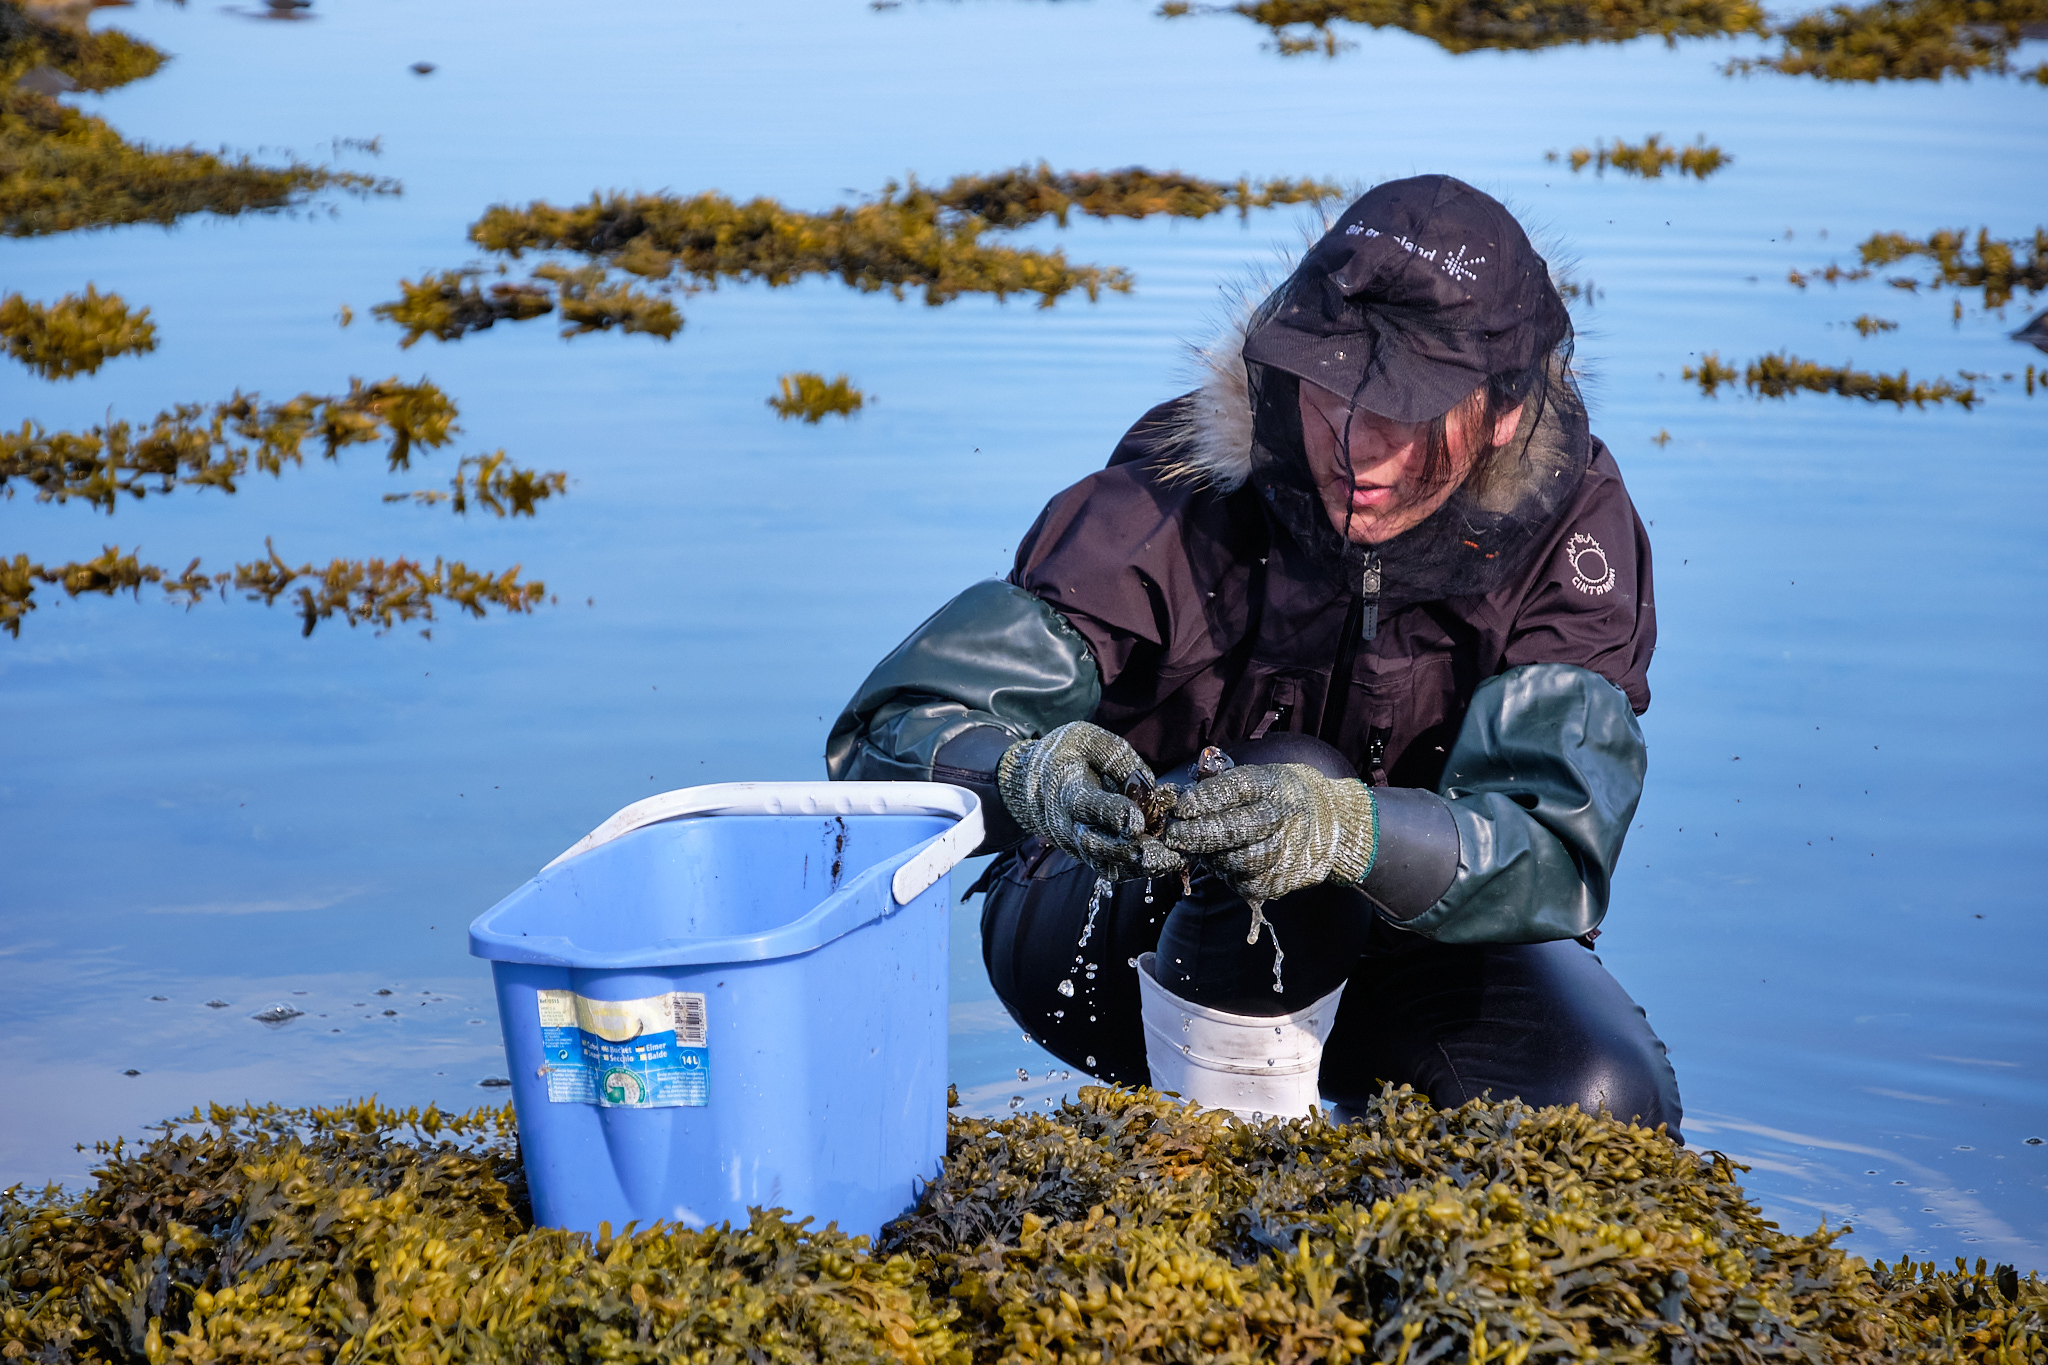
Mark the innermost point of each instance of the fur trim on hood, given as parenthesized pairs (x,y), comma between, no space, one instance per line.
(1210,433)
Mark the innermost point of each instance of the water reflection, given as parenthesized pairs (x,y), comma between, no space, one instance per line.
(1846,1191)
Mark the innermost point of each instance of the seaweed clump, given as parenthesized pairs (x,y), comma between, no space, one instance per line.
(909,237)
(62,170)
(1904,40)
(1011,199)
(449,304)
(202,447)
(195,446)
(381,592)
(1999,268)
(1784,374)
(364,1234)
(813,398)
(1884,40)
(1125,1227)
(1303,26)
(1648,159)
(75,335)
(92,61)
(494,484)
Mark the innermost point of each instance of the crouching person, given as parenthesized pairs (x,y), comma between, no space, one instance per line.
(1380,571)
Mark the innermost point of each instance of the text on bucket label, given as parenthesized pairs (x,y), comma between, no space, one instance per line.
(625,1054)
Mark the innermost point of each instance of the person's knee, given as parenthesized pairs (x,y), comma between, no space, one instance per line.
(1626,1077)
(1288,747)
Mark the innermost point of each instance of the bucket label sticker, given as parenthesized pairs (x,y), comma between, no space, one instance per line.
(626,1054)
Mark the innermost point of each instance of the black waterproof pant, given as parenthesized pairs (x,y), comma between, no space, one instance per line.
(1543,1022)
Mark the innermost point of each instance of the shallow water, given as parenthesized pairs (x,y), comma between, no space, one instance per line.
(1830,908)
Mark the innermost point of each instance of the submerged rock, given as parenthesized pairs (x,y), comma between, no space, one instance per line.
(2035,333)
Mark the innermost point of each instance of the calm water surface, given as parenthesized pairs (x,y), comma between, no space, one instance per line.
(1831,906)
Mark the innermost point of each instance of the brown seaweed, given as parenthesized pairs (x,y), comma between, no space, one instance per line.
(62,170)
(1648,159)
(449,304)
(2000,268)
(200,447)
(75,335)
(909,237)
(91,61)
(1904,40)
(1122,1228)
(489,482)
(1882,40)
(1303,26)
(382,592)
(1011,199)
(898,241)
(1783,374)
(590,302)
(813,398)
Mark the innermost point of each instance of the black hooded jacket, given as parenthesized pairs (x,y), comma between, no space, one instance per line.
(1168,598)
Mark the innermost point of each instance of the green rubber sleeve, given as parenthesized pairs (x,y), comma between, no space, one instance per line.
(1541,782)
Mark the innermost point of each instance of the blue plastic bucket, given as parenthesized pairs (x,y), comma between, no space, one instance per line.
(734,996)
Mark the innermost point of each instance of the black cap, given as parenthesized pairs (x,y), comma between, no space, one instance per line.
(1423,290)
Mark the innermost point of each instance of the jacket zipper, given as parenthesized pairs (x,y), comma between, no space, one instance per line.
(1369,588)
(1376,754)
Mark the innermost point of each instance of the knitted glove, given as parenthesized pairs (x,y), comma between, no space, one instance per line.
(1274,828)
(1068,788)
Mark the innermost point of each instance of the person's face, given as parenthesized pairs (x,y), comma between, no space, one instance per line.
(1379,492)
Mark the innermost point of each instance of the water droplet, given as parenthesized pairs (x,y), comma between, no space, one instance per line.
(1130,962)
(1066,988)
(1016,1100)
(1068,1075)
(1025,1036)
(1059,1014)
(1022,1074)
(1091,1067)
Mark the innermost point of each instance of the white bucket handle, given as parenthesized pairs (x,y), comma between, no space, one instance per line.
(933,861)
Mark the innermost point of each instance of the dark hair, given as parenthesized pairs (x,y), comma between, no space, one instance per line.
(1482,410)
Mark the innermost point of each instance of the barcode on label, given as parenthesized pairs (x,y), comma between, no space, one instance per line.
(689,1013)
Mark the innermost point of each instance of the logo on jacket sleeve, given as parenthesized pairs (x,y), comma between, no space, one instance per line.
(1591,573)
